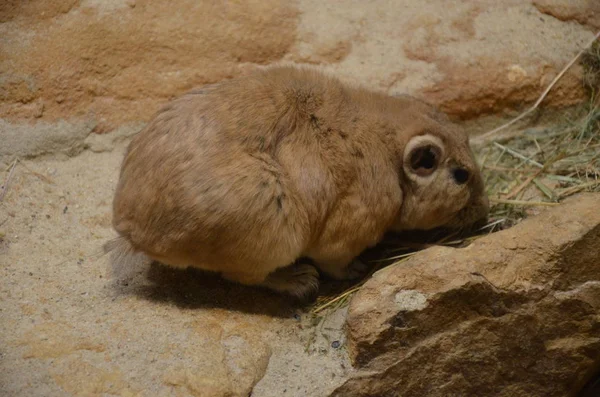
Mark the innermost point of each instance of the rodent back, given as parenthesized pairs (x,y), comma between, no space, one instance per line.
(193,173)
(210,154)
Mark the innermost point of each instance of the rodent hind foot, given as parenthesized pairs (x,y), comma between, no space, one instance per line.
(299,280)
(354,270)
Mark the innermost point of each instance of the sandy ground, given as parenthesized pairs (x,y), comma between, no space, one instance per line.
(67,328)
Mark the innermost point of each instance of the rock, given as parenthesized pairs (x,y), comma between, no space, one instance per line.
(513,314)
(42,137)
(106,142)
(469,59)
(229,367)
(120,59)
(585,12)
(215,362)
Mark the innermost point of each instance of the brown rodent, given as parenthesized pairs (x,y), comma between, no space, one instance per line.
(250,176)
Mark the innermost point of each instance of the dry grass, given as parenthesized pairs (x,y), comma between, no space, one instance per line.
(591,63)
(542,166)
(523,174)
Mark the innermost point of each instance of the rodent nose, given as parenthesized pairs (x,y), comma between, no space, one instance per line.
(461,176)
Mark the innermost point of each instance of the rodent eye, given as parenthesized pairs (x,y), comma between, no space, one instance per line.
(461,176)
(424,159)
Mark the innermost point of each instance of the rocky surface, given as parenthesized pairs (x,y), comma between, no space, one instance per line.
(513,314)
(111,62)
(586,12)
(114,61)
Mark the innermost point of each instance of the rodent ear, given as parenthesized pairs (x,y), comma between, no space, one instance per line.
(422,155)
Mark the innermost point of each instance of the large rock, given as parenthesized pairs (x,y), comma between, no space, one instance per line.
(472,58)
(513,314)
(116,61)
(217,363)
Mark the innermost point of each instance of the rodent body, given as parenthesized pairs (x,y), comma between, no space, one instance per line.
(247,176)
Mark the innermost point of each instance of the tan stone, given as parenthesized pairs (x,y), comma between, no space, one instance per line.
(52,340)
(229,365)
(217,362)
(513,314)
(586,12)
(80,378)
(113,62)
(116,61)
(457,57)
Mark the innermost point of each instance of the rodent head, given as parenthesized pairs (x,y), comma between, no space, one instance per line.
(440,179)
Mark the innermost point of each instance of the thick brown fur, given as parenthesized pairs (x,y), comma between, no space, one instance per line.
(247,176)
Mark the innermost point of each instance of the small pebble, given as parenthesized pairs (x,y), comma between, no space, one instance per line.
(335,344)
